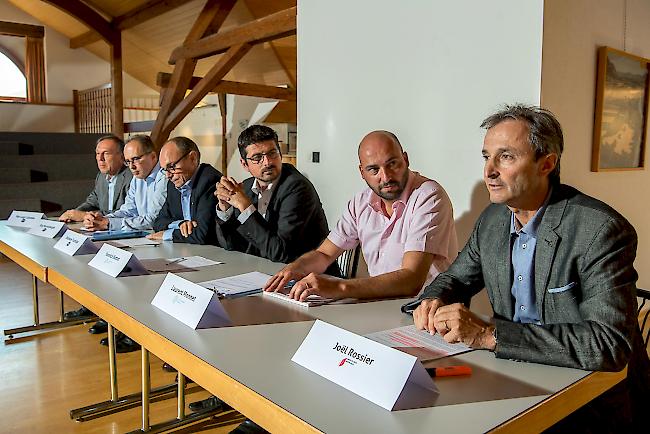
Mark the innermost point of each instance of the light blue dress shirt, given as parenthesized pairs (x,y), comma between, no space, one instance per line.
(111,191)
(186,195)
(523,242)
(143,202)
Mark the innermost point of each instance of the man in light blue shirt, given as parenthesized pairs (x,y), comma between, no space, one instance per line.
(146,195)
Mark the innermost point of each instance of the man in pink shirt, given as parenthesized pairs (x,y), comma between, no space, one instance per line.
(405,225)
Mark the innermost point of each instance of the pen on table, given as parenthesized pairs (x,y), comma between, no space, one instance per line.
(144,245)
(449,371)
(175,261)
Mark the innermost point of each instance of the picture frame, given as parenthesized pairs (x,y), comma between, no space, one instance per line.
(621,116)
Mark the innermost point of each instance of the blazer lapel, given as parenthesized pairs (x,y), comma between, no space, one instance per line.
(547,242)
(504,267)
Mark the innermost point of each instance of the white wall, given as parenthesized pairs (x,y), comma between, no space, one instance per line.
(429,71)
(573,31)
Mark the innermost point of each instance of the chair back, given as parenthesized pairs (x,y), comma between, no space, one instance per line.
(644,314)
(349,261)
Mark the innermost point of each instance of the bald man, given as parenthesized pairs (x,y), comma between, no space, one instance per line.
(403,221)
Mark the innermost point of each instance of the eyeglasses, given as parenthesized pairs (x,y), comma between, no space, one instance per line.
(271,155)
(134,160)
(171,167)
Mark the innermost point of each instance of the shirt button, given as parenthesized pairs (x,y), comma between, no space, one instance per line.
(523,246)
(522,307)
(519,278)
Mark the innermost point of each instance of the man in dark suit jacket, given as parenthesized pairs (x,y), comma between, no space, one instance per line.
(276,213)
(112,175)
(189,210)
(558,267)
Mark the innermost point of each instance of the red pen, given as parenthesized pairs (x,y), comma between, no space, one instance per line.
(449,371)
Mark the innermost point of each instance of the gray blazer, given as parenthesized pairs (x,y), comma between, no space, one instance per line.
(98,198)
(585,286)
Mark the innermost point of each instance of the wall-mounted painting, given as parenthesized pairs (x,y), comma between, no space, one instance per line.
(621,119)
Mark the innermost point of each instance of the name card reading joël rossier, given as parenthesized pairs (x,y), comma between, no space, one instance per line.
(73,243)
(386,376)
(190,303)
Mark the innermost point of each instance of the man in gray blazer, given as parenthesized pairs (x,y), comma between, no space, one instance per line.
(558,267)
(111,183)
(111,186)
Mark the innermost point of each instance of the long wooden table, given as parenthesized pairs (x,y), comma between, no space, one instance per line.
(249,367)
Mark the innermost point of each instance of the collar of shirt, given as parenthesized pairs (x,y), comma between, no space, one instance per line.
(255,188)
(189,184)
(400,203)
(154,173)
(531,227)
(110,178)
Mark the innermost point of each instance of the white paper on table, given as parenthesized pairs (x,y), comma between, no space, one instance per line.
(136,242)
(241,284)
(312,300)
(194,261)
(418,343)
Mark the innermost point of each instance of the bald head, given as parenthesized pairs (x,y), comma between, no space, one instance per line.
(379,139)
(383,164)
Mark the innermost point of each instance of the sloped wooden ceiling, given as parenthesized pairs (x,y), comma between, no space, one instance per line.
(147,46)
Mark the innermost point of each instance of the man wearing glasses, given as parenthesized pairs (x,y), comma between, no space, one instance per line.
(145,198)
(275,214)
(111,183)
(146,195)
(188,214)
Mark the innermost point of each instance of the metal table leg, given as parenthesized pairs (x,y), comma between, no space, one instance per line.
(37,325)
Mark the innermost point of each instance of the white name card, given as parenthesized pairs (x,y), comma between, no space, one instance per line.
(190,303)
(47,228)
(117,262)
(383,375)
(73,243)
(24,219)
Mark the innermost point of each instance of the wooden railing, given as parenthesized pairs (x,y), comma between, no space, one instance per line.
(92,110)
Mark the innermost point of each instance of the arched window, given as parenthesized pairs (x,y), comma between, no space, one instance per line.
(13,85)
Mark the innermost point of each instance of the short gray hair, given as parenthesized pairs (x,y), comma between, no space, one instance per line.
(544,131)
(119,142)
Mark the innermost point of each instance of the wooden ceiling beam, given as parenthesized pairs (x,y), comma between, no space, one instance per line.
(137,15)
(274,26)
(206,84)
(212,16)
(23,30)
(163,80)
(89,17)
